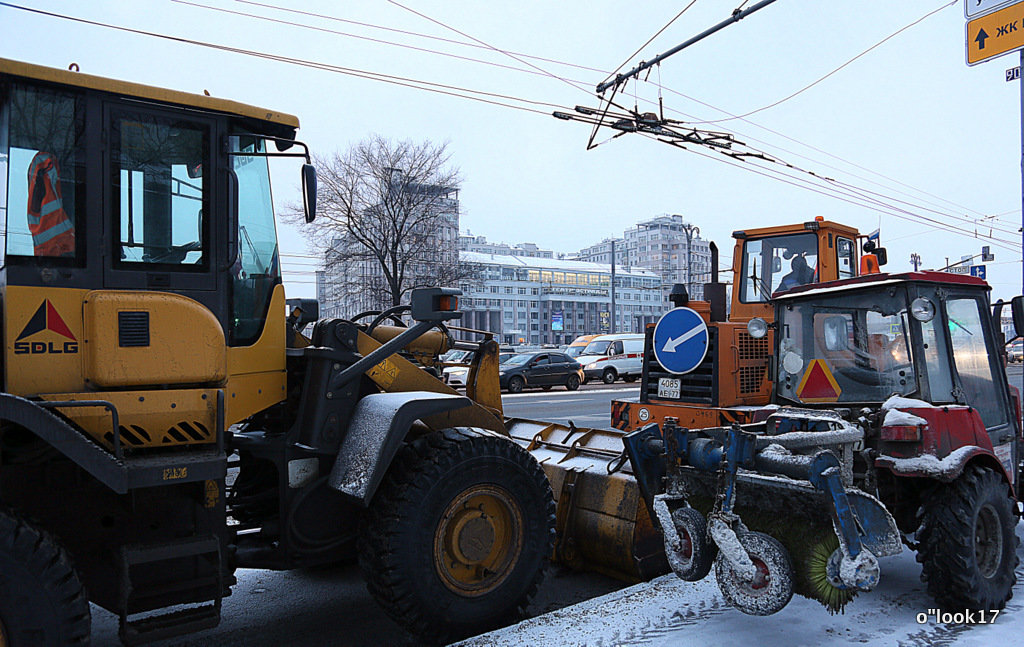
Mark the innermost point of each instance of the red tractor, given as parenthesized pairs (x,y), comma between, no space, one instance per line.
(891,417)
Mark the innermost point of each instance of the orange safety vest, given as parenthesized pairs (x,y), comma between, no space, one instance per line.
(53,232)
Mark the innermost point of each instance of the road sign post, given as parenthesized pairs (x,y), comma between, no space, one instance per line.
(680,340)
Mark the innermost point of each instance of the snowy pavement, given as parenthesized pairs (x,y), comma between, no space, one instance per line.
(668,611)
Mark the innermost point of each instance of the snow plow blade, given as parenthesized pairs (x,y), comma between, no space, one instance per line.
(602,521)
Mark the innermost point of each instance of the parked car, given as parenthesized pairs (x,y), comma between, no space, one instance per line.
(540,368)
(457,376)
(610,357)
(1015,351)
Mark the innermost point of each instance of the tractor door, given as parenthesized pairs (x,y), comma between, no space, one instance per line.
(978,376)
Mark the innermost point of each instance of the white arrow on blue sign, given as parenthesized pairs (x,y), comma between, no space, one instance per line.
(978,271)
(680,340)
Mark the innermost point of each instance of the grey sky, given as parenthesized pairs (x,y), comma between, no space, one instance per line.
(943,138)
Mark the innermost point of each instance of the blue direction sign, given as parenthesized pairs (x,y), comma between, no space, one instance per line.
(680,340)
(979,271)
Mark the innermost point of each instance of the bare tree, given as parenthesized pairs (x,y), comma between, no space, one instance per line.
(387,221)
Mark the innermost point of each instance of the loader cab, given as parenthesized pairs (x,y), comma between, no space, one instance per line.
(928,336)
(141,249)
(773,259)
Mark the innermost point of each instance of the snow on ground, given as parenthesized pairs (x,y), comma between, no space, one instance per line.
(670,612)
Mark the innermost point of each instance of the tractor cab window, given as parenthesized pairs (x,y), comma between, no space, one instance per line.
(160,192)
(972,360)
(846,255)
(777,263)
(256,269)
(852,349)
(42,188)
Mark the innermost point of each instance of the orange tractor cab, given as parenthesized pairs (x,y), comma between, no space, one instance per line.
(732,380)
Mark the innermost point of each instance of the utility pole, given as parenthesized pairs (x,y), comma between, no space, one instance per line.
(612,329)
(915,260)
(690,230)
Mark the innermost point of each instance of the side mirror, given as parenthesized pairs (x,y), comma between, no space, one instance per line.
(836,333)
(881,256)
(1017,308)
(303,312)
(309,191)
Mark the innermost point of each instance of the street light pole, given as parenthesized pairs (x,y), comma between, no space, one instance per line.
(690,230)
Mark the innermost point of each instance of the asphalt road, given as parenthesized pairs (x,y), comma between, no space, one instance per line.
(330,606)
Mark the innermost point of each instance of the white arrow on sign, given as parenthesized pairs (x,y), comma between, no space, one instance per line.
(671,344)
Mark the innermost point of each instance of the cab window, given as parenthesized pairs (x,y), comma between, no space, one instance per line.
(845,257)
(42,153)
(256,269)
(973,363)
(160,192)
(777,263)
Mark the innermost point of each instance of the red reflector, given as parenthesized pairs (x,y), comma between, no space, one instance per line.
(901,433)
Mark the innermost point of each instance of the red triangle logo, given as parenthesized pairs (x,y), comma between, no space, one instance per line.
(54,323)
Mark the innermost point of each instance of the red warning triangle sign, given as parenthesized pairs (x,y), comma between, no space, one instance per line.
(818,384)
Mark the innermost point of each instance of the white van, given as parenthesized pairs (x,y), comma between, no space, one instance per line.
(610,357)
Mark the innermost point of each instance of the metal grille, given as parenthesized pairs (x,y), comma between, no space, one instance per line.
(750,378)
(133,328)
(750,348)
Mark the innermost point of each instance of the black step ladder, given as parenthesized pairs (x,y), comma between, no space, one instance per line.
(195,595)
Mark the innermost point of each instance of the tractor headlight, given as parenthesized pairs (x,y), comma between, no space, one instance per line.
(922,309)
(757,327)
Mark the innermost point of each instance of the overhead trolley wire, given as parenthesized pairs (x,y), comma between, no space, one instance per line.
(539,71)
(415,84)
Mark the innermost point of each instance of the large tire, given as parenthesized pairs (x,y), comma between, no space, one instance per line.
(968,547)
(516,384)
(42,601)
(608,376)
(457,538)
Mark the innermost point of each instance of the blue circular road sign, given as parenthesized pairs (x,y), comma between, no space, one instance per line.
(680,340)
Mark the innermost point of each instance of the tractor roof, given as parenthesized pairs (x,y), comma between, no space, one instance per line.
(278,123)
(874,280)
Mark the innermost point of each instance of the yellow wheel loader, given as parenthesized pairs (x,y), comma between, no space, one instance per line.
(163,421)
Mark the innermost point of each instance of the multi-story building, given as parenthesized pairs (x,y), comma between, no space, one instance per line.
(471,243)
(540,300)
(672,249)
(602,252)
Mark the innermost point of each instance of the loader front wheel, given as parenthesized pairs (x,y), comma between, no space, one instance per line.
(42,601)
(457,538)
(968,547)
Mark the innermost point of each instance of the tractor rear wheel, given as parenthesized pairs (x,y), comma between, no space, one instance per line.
(968,547)
(42,601)
(458,536)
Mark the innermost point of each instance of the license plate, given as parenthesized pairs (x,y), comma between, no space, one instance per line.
(668,388)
